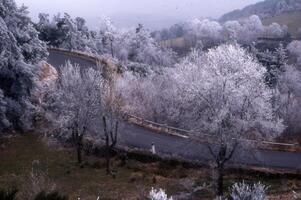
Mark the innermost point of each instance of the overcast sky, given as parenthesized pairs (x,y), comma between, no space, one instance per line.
(152,13)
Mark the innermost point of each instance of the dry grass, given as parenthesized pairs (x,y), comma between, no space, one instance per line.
(22,153)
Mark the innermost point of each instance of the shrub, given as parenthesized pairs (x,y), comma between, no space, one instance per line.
(158,195)
(242,191)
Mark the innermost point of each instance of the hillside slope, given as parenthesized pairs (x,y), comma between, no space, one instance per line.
(284,12)
(264,9)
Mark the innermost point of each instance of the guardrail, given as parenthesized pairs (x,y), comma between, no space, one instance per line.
(206,138)
(87,56)
(177,132)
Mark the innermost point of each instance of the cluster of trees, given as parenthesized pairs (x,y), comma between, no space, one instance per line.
(221,92)
(208,33)
(227,92)
(20,51)
(283,70)
(81,104)
(134,45)
(175,31)
(65,32)
(295,49)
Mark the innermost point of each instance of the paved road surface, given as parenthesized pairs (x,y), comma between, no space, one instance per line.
(135,136)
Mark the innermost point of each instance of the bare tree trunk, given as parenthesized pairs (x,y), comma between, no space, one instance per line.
(220,159)
(220,181)
(79,152)
(108,166)
(112,51)
(111,140)
(108,170)
(78,142)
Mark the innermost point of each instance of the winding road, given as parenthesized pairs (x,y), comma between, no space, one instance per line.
(138,137)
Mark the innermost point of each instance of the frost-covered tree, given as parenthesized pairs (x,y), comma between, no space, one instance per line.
(109,36)
(74,104)
(146,96)
(20,50)
(275,63)
(129,46)
(233,30)
(288,99)
(275,31)
(230,100)
(243,191)
(295,49)
(209,32)
(158,195)
(244,31)
(137,45)
(66,32)
(252,28)
(110,114)
(21,26)
(222,93)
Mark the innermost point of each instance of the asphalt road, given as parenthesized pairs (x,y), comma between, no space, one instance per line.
(135,136)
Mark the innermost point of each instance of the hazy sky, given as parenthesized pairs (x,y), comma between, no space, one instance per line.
(152,13)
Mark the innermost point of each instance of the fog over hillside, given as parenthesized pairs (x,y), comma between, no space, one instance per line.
(154,14)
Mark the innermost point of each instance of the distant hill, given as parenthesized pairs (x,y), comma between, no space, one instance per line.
(284,12)
(264,9)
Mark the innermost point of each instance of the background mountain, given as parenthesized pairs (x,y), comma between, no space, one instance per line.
(284,12)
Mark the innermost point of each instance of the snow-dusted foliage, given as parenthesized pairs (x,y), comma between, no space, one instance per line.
(243,191)
(74,104)
(66,32)
(133,45)
(222,93)
(229,87)
(252,28)
(209,33)
(206,30)
(288,98)
(19,43)
(205,91)
(275,30)
(295,49)
(274,61)
(159,194)
(20,26)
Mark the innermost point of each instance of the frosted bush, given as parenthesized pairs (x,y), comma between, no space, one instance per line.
(243,191)
(159,194)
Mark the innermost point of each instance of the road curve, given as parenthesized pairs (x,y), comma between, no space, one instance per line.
(138,137)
